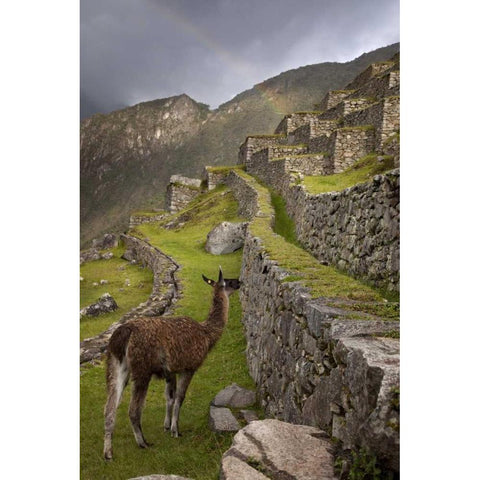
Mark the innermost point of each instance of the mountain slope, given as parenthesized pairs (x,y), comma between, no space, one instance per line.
(128,156)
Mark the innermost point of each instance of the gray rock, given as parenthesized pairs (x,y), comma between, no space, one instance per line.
(222,420)
(109,240)
(226,238)
(249,415)
(235,397)
(278,450)
(104,304)
(89,255)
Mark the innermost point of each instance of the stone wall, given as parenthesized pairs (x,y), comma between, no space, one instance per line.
(294,120)
(278,172)
(333,98)
(257,142)
(139,219)
(315,364)
(383,115)
(245,194)
(345,107)
(181,191)
(357,230)
(350,144)
(214,178)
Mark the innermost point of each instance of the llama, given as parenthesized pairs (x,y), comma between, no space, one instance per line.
(164,347)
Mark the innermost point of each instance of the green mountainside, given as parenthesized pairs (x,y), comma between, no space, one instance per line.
(127,156)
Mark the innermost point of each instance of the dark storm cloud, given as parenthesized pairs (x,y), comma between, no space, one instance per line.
(137,50)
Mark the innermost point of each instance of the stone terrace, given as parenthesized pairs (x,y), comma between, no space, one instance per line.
(347,125)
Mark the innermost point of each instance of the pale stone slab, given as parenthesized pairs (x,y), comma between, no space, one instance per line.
(222,420)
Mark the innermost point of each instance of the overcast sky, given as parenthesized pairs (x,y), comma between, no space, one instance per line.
(137,50)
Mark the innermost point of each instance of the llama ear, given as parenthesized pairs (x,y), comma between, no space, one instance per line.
(210,282)
(221,281)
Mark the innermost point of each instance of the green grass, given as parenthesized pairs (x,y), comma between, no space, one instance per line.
(198,452)
(362,171)
(321,280)
(116,271)
(284,225)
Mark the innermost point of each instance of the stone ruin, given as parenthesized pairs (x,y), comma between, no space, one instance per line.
(181,191)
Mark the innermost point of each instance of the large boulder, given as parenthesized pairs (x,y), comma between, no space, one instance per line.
(271,449)
(226,238)
(104,304)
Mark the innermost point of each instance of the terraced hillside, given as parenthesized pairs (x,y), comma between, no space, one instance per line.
(315,327)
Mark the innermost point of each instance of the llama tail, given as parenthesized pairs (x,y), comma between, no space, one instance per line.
(117,346)
(117,369)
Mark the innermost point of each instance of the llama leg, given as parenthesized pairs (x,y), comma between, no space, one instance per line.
(183,383)
(117,378)
(139,392)
(170,389)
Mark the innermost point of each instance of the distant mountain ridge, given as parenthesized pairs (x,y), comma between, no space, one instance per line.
(128,156)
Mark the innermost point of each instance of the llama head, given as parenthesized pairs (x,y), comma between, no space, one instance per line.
(229,284)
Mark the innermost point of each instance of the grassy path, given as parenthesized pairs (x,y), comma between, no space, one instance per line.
(198,452)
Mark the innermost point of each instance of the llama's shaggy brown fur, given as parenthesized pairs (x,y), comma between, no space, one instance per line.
(163,347)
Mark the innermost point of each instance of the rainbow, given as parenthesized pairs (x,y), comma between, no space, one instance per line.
(239,66)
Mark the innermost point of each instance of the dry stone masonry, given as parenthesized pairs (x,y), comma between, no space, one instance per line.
(356,230)
(181,191)
(322,368)
(314,363)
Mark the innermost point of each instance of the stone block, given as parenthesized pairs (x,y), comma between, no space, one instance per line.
(222,420)
(234,396)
